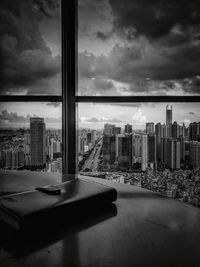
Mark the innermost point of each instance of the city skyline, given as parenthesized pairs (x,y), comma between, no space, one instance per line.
(120,114)
(136,114)
(17,115)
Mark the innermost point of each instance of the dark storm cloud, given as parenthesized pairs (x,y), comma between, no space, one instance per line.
(103,36)
(157,48)
(54,104)
(13,117)
(49,8)
(26,62)
(155,18)
(103,84)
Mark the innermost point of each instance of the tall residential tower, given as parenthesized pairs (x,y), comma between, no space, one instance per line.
(168,115)
(37,142)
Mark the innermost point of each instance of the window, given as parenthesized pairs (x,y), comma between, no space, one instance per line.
(111,58)
(138,94)
(31,136)
(30,95)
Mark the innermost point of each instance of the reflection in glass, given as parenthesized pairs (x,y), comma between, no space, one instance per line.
(151,145)
(31,137)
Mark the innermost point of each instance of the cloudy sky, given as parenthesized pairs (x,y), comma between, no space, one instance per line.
(17,115)
(30,58)
(131,47)
(139,47)
(137,114)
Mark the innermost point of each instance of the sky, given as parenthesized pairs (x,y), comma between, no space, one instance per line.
(131,47)
(138,47)
(94,116)
(30,47)
(17,115)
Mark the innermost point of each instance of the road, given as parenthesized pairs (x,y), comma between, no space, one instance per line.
(92,162)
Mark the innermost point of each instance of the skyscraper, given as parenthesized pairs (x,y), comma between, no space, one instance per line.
(159,134)
(150,127)
(136,148)
(109,149)
(194,153)
(152,150)
(123,150)
(108,128)
(168,115)
(128,129)
(144,152)
(116,130)
(37,142)
(175,130)
(140,150)
(194,131)
(173,153)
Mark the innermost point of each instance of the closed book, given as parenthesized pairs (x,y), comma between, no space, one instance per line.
(35,208)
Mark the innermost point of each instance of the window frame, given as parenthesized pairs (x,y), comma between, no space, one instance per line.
(69,97)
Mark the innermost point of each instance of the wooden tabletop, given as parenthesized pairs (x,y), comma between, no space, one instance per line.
(141,229)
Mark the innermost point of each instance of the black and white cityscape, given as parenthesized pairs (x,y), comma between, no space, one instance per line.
(37,148)
(162,156)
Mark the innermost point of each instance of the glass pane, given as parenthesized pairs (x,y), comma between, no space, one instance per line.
(151,145)
(138,47)
(30,47)
(31,136)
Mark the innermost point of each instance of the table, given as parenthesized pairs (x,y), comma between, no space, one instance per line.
(142,228)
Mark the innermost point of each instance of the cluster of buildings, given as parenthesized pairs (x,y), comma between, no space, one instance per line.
(87,138)
(159,146)
(36,149)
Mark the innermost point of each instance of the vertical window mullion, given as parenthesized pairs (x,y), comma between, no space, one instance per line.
(69,65)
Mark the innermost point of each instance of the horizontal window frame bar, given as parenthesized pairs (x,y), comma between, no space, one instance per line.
(129,99)
(99,99)
(30,98)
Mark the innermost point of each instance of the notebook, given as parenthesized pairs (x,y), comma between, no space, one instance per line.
(34,208)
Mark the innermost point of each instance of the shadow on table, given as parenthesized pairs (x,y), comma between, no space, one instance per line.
(26,241)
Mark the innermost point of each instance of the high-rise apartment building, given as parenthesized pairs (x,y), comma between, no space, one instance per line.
(108,128)
(173,153)
(150,127)
(37,142)
(140,150)
(144,152)
(159,134)
(175,130)
(152,150)
(128,129)
(182,147)
(137,148)
(89,138)
(168,114)
(116,130)
(109,149)
(194,131)
(93,137)
(167,130)
(123,150)
(194,153)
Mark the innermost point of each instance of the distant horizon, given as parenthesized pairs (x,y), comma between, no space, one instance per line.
(94,116)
